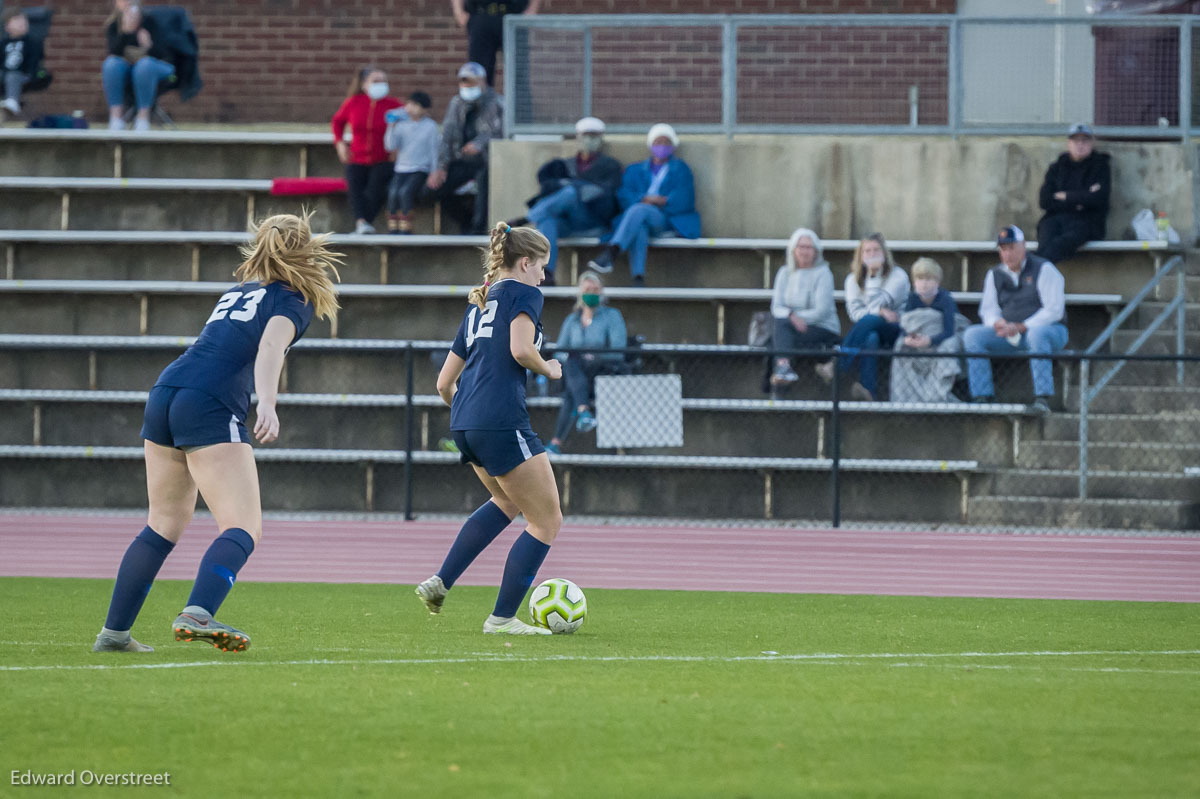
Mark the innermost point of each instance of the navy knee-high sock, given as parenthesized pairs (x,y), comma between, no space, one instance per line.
(139,567)
(219,568)
(480,529)
(524,560)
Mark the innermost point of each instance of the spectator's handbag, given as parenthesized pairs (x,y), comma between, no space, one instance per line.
(760,329)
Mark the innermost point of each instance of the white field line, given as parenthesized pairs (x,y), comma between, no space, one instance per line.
(500,658)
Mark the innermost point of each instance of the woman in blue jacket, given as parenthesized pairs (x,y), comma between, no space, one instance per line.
(657,196)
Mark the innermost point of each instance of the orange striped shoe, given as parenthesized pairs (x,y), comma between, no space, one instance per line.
(196,624)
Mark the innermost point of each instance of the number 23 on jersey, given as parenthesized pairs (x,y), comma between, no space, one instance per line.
(243,314)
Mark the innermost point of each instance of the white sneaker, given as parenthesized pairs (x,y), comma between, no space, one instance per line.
(433,593)
(784,374)
(364,228)
(141,124)
(11,106)
(511,626)
(824,371)
(116,123)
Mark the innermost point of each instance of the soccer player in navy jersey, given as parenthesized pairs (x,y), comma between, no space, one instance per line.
(498,340)
(195,433)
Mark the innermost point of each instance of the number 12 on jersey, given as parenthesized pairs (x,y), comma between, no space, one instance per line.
(480,326)
(243,314)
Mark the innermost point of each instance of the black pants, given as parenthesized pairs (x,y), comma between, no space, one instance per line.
(579,380)
(404,190)
(470,213)
(786,337)
(1059,236)
(485,36)
(367,185)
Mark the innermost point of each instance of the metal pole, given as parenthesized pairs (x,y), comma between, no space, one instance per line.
(1180,322)
(728,76)
(587,71)
(1085,399)
(510,74)
(954,87)
(410,432)
(835,451)
(1185,80)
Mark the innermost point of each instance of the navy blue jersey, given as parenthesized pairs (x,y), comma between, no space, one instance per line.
(491,391)
(221,361)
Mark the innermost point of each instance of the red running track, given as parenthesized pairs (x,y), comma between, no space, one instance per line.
(685,558)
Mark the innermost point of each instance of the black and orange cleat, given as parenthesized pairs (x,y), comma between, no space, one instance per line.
(195,624)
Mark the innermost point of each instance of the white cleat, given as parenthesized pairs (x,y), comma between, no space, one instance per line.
(433,593)
(109,643)
(511,626)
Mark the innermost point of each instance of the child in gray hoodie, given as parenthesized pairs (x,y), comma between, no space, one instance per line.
(413,136)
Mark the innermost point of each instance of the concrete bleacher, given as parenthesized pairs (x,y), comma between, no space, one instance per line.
(157,307)
(139,234)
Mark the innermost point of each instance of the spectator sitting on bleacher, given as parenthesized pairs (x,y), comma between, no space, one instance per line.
(876,290)
(930,322)
(474,117)
(1023,310)
(139,54)
(368,165)
(592,325)
(576,194)
(802,304)
(413,136)
(1074,196)
(22,56)
(657,197)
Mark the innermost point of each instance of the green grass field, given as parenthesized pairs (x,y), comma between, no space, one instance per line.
(353,690)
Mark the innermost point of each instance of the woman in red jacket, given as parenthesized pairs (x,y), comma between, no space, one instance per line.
(368,166)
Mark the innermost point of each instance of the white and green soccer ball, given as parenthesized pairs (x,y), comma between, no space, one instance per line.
(558,605)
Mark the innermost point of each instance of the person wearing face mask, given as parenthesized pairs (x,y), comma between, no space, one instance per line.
(577,194)
(657,197)
(592,325)
(474,117)
(368,164)
(931,322)
(875,291)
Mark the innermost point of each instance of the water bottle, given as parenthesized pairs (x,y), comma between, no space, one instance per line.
(1164,226)
(543,385)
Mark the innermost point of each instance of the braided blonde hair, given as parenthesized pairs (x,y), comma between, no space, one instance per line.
(285,250)
(507,246)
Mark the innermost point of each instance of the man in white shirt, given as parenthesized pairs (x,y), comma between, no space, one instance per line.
(1023,310)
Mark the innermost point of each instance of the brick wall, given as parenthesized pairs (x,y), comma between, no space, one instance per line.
(291,60)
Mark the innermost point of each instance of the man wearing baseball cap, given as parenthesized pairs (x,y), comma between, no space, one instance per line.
(1023,310)
(577,194)
(474,117)
(1074,196)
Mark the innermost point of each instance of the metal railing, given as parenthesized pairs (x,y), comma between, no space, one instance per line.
(846,73)
(1088,392)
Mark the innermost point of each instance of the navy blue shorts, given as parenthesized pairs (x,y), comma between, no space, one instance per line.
(497,451)
(185,417)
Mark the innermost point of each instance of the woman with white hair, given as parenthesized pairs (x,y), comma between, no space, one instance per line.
(657,196)
(802,305)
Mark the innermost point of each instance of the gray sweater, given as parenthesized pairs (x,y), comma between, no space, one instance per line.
(415,143)
(808,293)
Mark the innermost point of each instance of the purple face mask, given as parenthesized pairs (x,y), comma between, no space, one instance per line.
(662,151)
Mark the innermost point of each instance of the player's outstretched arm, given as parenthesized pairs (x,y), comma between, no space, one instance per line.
(271,348)
(447,382)
(523,346)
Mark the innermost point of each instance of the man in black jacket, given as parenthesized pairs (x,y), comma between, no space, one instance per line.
(575,194)
(21,56)
(1075,197)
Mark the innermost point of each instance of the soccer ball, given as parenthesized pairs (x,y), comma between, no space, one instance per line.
(558,605)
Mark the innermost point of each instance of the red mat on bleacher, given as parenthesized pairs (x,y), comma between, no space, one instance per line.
(307,186)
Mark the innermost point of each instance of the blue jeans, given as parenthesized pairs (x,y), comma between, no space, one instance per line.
(633,232)
(872,332)
(561,214)
(982,339)
(146,74)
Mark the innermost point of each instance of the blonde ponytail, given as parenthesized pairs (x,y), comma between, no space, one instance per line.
(284,250)
(507,246)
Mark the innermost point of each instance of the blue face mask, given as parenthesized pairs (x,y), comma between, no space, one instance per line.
(470,93)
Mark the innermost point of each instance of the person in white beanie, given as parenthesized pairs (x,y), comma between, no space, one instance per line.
(576,194)
(657,196)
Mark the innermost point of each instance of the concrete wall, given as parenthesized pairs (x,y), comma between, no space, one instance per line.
(849,186)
